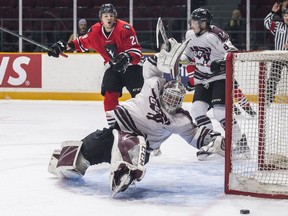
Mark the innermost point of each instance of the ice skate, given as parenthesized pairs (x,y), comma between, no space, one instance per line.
(157,152)
(242,148)
(215,147)
(250,111)
(236,110)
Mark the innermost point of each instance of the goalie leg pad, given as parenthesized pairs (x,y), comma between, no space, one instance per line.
(53,161)
(127,160)
(71,163)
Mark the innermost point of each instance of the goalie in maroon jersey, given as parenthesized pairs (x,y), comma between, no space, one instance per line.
(116,41)
(142,125)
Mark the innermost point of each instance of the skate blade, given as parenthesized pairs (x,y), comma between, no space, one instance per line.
(203,155)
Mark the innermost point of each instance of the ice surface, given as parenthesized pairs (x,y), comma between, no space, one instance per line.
(176,183)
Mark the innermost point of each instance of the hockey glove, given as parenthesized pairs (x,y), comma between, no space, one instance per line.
(190,87)
(57,48)
(218,66)
(122,62)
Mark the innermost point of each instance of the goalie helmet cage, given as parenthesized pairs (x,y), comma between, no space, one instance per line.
(263,172)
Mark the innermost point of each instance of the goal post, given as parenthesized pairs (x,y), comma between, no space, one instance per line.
(263,78)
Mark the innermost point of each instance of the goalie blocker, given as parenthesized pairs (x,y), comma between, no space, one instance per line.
(124,151)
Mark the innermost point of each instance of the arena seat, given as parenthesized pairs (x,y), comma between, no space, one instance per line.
(12,13)
(85,3)
(32,13)
(28,3)
(44,4)
(8,3)
(64,3)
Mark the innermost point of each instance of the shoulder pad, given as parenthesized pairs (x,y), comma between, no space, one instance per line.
(95,27)
(126,26)
(222,35)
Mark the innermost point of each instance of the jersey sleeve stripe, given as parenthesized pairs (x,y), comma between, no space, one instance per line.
(123,116)
(135,51)
(83,49)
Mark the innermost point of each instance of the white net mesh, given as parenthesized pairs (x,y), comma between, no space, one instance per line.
(263,78)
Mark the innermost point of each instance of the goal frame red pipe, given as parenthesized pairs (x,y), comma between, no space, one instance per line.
(228,129)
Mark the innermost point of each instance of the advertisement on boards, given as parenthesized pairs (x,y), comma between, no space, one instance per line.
(20,70)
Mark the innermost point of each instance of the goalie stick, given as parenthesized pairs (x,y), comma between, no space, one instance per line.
(160,28)
(29,40)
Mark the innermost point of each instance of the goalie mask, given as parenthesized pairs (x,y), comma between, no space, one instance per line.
(172,96)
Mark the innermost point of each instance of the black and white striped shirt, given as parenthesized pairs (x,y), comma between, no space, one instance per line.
(279,29)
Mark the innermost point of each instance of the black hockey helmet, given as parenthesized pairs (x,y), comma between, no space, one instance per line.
(202,14)
(107,8)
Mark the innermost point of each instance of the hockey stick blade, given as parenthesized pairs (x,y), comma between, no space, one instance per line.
(29,40)
(157,34)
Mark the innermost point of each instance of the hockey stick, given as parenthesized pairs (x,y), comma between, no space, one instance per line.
(160,28)
(30,40)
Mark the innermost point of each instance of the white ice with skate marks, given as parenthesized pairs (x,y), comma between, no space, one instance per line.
(176,183)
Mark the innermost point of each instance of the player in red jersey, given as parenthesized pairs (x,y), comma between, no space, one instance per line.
(116,41)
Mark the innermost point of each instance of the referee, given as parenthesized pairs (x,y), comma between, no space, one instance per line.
(280,30)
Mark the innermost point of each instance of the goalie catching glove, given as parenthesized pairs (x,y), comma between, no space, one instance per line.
(57,48)
(168,60)
(121,62)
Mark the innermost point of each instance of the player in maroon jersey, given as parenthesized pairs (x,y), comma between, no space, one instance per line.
(238,94)
(116,41)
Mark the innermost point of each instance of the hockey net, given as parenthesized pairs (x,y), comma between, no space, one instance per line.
(264,171)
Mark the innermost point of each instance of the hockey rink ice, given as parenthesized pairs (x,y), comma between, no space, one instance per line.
(175,184)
